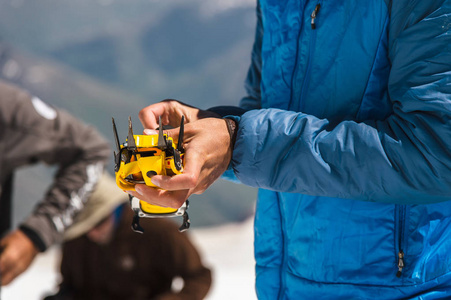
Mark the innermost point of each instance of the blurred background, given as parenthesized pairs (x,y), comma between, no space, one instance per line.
(110,58)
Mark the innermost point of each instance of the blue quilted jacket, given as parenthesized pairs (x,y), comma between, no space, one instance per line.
(347,133)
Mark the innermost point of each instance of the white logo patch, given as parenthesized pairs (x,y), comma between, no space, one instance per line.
(43,108)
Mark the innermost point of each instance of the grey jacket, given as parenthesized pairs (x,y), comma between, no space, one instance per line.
(32,131)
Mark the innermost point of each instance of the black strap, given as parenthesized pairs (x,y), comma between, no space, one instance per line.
(5,211)
(34,237)
(232,127)
(6,205)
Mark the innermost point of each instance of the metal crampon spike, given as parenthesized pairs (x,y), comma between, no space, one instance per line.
(130,139)
(181,132)
(161,140)
(117,155)
(116,137)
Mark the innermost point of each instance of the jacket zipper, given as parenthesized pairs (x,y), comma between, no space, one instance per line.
(285,250)
(312,44)
(400,263)
(400,220)
(314,14)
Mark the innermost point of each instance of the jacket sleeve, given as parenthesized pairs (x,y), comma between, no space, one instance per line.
(36,132)
(405,158)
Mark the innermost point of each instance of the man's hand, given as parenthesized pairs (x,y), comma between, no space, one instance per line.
(17,255)
(208,153)
(171,112)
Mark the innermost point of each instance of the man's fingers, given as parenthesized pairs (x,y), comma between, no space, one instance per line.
(175,183)
(8,276)
(150,131)
(188,180)
(3,269)
(12,270)
(8,269)
(171,112)
(148,118)
(172,199)
(149,115)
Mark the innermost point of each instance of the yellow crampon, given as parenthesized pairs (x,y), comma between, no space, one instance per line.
(140,158)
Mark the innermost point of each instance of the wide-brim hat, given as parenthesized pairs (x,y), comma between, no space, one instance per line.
(102,202)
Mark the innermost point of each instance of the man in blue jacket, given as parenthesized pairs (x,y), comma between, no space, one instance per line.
(346,130)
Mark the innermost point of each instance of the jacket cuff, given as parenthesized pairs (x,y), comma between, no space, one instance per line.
(41,231)
(34,237)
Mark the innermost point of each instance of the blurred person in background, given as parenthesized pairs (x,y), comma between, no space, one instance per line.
(31,131)
(346,130)
(103,258)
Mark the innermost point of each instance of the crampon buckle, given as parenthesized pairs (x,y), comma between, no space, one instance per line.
(140,158)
